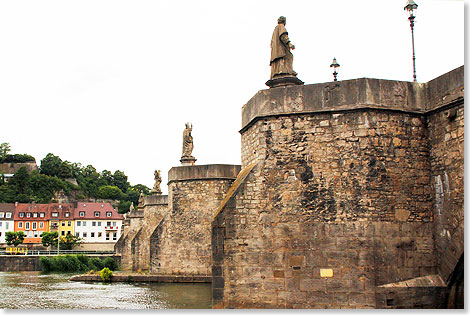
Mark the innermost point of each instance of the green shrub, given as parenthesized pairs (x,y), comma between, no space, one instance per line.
(95,263)
(106,274)
(83,260)
(46,263)
(110,263)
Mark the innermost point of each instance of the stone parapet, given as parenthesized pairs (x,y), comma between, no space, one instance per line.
(363,93)
(155,200)
(202,172)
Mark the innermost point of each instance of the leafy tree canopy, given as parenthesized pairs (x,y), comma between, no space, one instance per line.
(14,238)
(49,238)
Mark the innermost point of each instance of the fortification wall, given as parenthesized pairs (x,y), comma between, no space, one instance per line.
(183,238)
(123,246)
(155,208)
(11,168)
(340,203)
(446,136)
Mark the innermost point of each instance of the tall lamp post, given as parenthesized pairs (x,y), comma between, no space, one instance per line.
(335,65)
(410,7)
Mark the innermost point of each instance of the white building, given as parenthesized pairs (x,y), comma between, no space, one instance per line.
(7,212)
(97,223)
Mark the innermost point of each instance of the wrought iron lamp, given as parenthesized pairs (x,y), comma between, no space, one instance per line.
(410,7)
(335,65)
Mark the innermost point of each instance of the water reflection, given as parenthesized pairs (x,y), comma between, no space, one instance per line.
(32,290)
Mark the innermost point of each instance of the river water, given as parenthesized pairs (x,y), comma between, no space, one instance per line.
(33,290)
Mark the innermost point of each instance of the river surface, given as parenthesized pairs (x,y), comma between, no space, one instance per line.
(33,290)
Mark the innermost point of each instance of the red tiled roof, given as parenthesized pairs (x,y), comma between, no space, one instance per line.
(7,207)
(91,207)
(60,208)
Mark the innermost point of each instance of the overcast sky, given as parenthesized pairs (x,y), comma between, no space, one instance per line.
(112,83)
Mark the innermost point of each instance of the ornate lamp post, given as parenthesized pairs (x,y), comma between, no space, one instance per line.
(335,65)
(410,6)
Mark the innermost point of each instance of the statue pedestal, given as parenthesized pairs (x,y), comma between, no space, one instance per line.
(284,80)
(188,160)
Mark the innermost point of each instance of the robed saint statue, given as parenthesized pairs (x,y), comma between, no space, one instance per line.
(281,56)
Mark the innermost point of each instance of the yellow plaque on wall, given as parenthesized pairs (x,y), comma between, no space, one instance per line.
(326,273)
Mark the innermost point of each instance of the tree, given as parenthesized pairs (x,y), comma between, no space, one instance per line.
(69,241)
(20,182)
(109,192)
(120,180)
(50,165)
(49,238)
(14,238)
(4,149)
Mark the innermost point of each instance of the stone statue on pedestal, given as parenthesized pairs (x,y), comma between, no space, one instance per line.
(187,159)
(158,180)
(282,72)
(141,200)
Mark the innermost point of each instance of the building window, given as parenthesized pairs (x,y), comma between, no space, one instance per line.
(42,215)
(99,234)
(28,215)
(69,223)
(1,223)
(0,234)
(99,223)
(82,213)
(84,223)
(93,223)
(63,233)
(67,214)
(107,236)
(8,214)
(79,223)
(30,234)
(35,234)
(35,215)
(6,225)
(55,214)
(40,234)
(2,214)
(92,234)
(108,223)
(35,225)
(69,232)
(41,225)
(114,223)
(114,236)
(108,214)
(84,234)
(63,223)
(26,226)
(21,214)
(20,225)
(77,234)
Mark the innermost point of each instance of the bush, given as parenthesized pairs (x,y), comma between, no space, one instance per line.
(95,264)
(110,263)
(106,274)
(66,263)
(46,263)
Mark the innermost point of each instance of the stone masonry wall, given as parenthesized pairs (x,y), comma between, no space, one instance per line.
(329,193)
(124,245)
(155,208)
(183,238)
(446,133)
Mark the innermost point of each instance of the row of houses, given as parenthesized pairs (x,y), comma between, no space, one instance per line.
(92,222)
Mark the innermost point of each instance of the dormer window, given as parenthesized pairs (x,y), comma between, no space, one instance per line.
(97,214)
(108,214)
(8,215)
(42,215)
(82,213)
(21,214)
(35,215)
(28,215)
(2,214)
(55,214)
(67,214)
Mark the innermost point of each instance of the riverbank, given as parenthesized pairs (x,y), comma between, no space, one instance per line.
(136,277)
